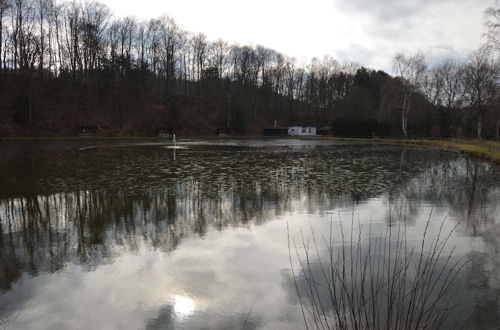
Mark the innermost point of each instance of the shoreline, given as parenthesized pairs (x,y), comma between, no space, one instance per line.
(484,149)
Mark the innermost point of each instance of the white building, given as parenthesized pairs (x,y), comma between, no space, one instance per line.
(301,131)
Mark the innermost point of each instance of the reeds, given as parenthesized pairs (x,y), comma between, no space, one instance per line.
(350,281)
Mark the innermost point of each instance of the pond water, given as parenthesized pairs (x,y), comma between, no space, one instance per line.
(144,236)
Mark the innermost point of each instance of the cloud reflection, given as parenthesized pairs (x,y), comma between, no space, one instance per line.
(183,306)
(135,240)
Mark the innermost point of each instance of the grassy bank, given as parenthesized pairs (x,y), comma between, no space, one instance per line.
(487,150)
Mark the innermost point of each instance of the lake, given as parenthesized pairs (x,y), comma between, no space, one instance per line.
(140,235)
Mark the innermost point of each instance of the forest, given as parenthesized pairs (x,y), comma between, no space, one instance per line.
(65,64)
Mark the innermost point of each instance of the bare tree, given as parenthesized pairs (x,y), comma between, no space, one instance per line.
(411,70)
(264,58)
(480,79)
(492,24)
(95,19)
(219,51)
(4,6)
(200,49)
(171,37)
(433,85)
(451,73)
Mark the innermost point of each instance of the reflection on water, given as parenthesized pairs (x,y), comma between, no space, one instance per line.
(135,237)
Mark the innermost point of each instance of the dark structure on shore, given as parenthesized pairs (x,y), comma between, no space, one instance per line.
(222,131)
(87,130)
(325,131)
(164,132)
(275,131)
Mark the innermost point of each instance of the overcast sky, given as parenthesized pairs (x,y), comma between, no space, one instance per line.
(367,32)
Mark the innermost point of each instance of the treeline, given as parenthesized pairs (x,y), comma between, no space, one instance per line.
(64,64)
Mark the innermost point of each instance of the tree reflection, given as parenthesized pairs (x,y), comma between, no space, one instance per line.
(469,190)
(87,208)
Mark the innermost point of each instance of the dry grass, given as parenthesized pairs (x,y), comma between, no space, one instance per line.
(488,150)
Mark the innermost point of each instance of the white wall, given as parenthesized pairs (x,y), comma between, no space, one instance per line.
(301,131)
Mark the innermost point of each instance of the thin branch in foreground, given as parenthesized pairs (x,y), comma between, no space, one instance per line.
(382,282)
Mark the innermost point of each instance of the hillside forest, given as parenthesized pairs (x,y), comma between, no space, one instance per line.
(69,64)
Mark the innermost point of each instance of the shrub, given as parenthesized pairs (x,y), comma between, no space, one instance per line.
(381,284)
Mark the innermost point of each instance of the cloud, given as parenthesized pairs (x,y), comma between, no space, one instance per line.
(355,53)
(387,11)
(437,28)
(369,32)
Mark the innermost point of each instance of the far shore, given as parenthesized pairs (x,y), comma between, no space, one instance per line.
(484,149)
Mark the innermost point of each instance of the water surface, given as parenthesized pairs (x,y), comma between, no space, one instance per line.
(143,236)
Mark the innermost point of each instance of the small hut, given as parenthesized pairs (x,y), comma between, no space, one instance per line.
(87,131)
(302,131)
(222,131)
(325,131)
(164,132)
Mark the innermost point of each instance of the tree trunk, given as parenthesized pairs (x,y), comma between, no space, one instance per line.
(404,118)
(498,125)
(1,35)
(479,126)
(30,115)
(42,39)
